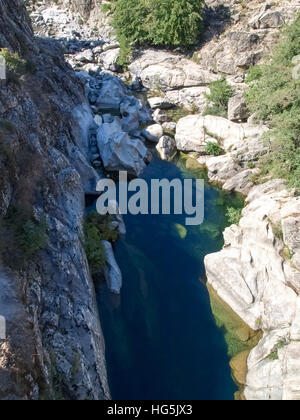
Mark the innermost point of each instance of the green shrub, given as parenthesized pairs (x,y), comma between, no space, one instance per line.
(169,22)
(93,247)
(7,125)
(274,95)
(96,229)
(33,237)
(175,114)
(220,93)
(104,225)
(274,354)
(277,229)
(13,62)
(234,215)
(25,236)
(213,149)
(255,73)
(176,22)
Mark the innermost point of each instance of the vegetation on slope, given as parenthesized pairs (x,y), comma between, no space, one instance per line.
(24,236)
(274,95)
(220,93)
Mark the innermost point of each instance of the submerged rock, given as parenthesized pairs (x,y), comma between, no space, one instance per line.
(112,272)
(239,367)
(180,231)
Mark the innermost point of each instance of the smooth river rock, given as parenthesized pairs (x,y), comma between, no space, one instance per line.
(112,272)
(163,70)
(153,133)
(166,147)
(118,150)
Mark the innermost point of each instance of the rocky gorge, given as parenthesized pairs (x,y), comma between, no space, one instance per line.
(99,120)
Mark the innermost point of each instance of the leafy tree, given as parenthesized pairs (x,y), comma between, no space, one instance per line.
(155,22)
(176,22)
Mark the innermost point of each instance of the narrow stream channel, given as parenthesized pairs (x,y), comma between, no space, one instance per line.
(162,341)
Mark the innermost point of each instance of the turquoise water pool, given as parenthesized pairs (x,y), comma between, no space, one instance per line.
(162,342)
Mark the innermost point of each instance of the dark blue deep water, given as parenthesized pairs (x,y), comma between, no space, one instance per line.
(162,342)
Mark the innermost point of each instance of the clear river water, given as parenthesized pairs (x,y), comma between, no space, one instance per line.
(162,341)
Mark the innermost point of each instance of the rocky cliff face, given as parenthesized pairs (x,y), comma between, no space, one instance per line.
(54,347)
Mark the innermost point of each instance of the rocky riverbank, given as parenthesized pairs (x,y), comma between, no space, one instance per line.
(257,274)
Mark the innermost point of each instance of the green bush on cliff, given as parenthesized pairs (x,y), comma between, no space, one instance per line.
(33,237)
(96,229)
(274,95)
(24,236)
(93,247)
(15,65)
(13,61)
(169,23)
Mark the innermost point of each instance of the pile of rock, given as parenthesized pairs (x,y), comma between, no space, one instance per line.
(116,136)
